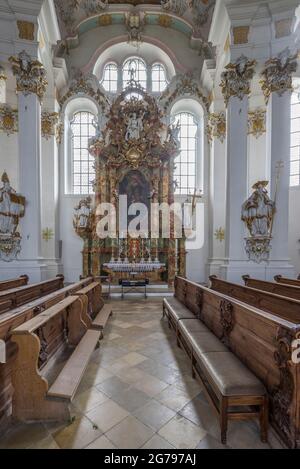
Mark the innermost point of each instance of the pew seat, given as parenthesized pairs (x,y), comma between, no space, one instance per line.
(42,343)
(66,385)
(234,392)
(103,316)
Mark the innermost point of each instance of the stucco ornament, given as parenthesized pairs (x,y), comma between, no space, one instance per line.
(30,75)
(12,208)
(236,80)
(258,215)
(277,75)
(83,217)
(8,119)
(216,127)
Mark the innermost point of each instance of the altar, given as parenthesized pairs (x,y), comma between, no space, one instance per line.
(134,155)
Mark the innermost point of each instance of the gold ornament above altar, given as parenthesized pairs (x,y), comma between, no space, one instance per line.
(12,208)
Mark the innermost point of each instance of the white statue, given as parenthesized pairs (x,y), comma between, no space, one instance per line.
(12,207)
(258,211)
(173,134)
(82,215)
(135,127)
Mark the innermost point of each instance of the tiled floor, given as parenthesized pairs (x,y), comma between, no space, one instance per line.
(137,393)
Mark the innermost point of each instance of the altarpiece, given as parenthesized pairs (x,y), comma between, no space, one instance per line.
(134,156)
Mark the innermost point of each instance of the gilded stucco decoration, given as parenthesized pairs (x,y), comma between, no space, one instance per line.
(258,215)
(220,234)
(30,75)
(216,127)
(135,23)
(82,85)
(8,119)
(180,86)
(49,122)
(257,122)
(12,208)
(278,74)
(26,30)
(236,80)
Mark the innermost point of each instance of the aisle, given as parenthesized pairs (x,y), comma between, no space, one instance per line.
(137,393)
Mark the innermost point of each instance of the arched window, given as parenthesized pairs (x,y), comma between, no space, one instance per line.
(159,81)
(83,127)
(135,69)
(295,140)
(110,78)
(186,162)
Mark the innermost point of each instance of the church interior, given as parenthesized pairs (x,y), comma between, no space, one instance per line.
(149,224)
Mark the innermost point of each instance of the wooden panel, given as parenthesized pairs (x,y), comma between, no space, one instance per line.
(289,291)
(14,283)
(287,281)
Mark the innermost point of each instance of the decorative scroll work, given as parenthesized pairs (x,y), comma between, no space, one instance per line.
(258,215)
(49,122)
(12,208)
(257,123)
(277,76)
(216,127)
(82,85)
(8,119)
(30,75)
(236,80)
(227,319)
(283,395)
(183,85)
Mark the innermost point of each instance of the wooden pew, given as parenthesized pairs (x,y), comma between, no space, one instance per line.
(13,319)
(41,341)
(265,343)
(94,306)
(287,281)
(281,289)
(11,299)
(14,283)
(282,306)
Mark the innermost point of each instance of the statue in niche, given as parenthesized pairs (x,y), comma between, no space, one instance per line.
(82,216)
(258,211)
(135,127)
(12,207)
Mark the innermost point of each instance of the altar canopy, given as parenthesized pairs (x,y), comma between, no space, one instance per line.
(134,158)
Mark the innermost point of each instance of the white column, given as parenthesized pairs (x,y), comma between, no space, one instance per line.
(278,150)
(237,171)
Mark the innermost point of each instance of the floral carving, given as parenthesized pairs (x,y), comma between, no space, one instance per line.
(216,126)
(8,119)
(183,85)
(257,122)
(236,80)
(49,123)
(227,319)
(30,75)
(277,75)
(85,85)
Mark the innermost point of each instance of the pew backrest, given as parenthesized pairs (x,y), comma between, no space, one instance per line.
(14,283)
(281,289)
(287,281)
(286,308)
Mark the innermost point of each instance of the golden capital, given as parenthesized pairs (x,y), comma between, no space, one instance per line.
(30,75)
(236,80)
(277,75)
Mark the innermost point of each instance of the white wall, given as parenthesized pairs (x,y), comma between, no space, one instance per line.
(294,228)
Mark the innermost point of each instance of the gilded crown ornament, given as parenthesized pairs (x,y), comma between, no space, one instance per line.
(216,127)
(30,75)
(49,123)
(236,80)
(277,75)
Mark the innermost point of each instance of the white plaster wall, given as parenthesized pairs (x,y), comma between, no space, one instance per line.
(294,228)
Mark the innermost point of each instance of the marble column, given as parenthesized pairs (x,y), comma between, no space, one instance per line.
(277,71)
(31,85)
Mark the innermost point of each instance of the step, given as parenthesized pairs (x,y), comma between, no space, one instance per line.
(66,384)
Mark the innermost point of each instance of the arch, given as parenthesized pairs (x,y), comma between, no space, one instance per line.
(118,50)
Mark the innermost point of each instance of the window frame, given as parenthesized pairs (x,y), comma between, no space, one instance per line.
(106,66)
(125,82)
(158,64)
(89,160)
